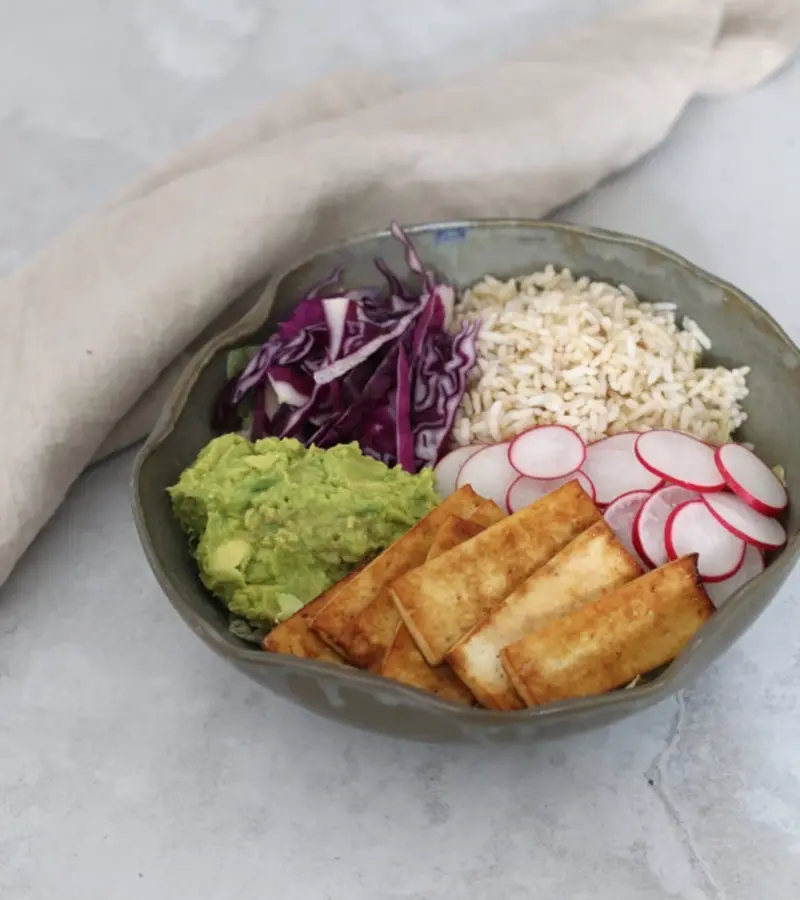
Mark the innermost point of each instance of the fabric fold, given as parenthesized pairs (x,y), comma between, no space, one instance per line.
(97,324)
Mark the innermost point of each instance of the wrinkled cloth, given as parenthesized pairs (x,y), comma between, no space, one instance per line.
(99,323)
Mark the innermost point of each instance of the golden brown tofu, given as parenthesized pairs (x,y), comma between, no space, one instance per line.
(606,644)
(592,564)
(454,531)
(295,637)
(367,638)
(406,553)
(487,514)
(403,661)
(443,599)
(370,634)
(406,664)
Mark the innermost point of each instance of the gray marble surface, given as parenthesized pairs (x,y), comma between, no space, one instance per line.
(134,764)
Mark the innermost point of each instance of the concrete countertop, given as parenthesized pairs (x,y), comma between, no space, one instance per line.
(135,764)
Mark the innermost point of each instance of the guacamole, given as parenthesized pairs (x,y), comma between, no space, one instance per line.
(273,524)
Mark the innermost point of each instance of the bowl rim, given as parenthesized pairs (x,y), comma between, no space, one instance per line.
(729,618)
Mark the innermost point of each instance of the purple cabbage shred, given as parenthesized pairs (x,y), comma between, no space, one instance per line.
(360,365)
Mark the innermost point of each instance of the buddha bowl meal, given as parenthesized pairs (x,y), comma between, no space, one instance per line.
(525,492)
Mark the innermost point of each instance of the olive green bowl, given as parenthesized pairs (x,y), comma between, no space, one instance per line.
(743,334)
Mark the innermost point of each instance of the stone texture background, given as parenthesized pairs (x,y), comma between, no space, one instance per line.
(133,763)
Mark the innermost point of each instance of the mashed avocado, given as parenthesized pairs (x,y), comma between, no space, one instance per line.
(273,524)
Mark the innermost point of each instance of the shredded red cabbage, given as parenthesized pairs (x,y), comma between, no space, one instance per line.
(384,371)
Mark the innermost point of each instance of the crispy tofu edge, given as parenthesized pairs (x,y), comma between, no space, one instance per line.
(369,635)
(519,658)
(367,638)
(294,636)
(405,664)
(451,687)
(492,694)
(455,530)
(488,514)
(572,492)
(333,620)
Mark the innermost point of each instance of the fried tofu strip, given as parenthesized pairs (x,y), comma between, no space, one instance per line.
(443,599)
(592,564)
(487,514)
(454,531)
(295,637)
(403,662)
(367,638)
(606,644)
(406,553)
(370,634)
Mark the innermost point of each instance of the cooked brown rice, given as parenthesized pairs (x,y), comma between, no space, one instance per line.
(555,349)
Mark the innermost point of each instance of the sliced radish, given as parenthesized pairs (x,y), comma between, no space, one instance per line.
(525,491)
(753,565)
(446,470)
(612,466)
(489,473)
(649,529)
(547,451)
(751,479)
(743,521)
(680,458)
(621,515)
(691,528)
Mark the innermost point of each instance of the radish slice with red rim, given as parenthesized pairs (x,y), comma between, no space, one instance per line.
(547,451)
(489,473)
(751,479)
(649,529)
(525,491)
(680,458)
(753,565)
(744,522)
(446,470)
(614,470)
(620,516)
(691,528)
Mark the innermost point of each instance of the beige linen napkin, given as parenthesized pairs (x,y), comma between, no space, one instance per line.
(89,327)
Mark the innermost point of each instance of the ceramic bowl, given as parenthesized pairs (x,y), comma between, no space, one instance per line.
(742,332)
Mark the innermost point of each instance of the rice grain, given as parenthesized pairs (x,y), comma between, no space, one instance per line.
(553,349)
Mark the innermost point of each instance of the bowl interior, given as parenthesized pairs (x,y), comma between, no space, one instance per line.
(742,334)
